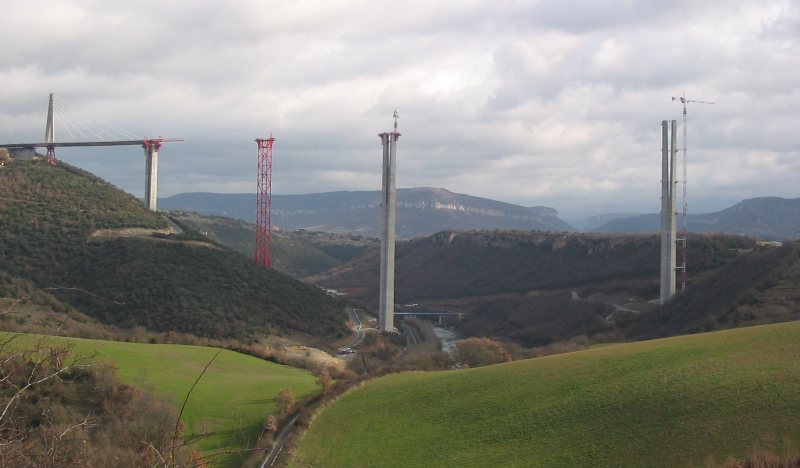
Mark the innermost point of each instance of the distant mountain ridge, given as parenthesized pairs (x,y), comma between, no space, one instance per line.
(771,218)
(593,222)
(420,211)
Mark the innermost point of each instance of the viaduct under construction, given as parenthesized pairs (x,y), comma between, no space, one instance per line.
(151,148)
(389,140)
(263,254)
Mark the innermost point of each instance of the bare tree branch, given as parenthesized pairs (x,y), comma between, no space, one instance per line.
(55,357)
(163,462)
(186,400)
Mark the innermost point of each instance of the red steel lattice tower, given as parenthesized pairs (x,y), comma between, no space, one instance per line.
(263,255)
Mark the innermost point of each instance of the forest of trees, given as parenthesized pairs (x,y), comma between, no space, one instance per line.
(163,283)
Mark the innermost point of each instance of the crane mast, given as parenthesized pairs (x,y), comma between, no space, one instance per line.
(685,214)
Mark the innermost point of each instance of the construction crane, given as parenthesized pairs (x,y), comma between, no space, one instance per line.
(685,227)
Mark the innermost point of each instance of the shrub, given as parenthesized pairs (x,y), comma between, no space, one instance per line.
(477,352)
(286,401)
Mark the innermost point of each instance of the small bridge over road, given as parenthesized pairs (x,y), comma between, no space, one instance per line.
(430,314)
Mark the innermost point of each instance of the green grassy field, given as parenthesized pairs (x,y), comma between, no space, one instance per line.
(229,404)
(681,401)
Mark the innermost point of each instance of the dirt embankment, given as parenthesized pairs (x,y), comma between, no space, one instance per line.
(310,358)
(146,233)
(128,232)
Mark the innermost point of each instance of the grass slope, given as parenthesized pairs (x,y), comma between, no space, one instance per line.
(165,283)
(670,402)
(227,408)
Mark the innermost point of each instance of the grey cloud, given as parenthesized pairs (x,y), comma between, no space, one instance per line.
(528,102)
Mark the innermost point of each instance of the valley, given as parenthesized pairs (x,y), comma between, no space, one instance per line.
(84,260)
(399,234)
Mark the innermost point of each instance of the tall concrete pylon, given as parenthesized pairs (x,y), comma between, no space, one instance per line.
(151,148)
(389,202)
(50,127)
(50,132)
(668,210)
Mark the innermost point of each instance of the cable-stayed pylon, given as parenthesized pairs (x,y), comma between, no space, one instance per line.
(263,254)
(50,132)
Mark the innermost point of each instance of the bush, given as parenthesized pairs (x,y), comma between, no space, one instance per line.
(477,352)
(67,411)
(286,401)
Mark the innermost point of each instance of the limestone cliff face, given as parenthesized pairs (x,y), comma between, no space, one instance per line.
(420,212)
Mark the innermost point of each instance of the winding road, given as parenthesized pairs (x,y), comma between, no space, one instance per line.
(617,308)
(360,334)
(283,434)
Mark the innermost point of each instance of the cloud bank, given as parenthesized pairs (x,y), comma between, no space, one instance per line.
(529,102)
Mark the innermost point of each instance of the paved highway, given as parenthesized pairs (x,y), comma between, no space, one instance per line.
(360,334)
(411,338)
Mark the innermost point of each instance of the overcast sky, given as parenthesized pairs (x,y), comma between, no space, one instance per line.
(530,102)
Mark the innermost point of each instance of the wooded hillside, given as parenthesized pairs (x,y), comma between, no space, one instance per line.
(49,221)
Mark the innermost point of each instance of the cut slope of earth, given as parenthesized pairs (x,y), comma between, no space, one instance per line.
(672,402)
(228,407)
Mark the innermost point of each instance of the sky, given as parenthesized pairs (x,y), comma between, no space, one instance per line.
(538,103)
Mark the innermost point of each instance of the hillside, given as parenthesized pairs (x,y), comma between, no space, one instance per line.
(60,226)
(684,401)
(227,408)
(296,253)
(538,288)
(763,218)
(755,288)
(420,211)
(461,264)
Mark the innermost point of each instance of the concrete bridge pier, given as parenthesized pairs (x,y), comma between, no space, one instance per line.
(151,148)
(668,210)
(389,202)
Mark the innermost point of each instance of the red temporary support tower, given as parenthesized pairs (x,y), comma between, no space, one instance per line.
(263,255)
(51,156)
